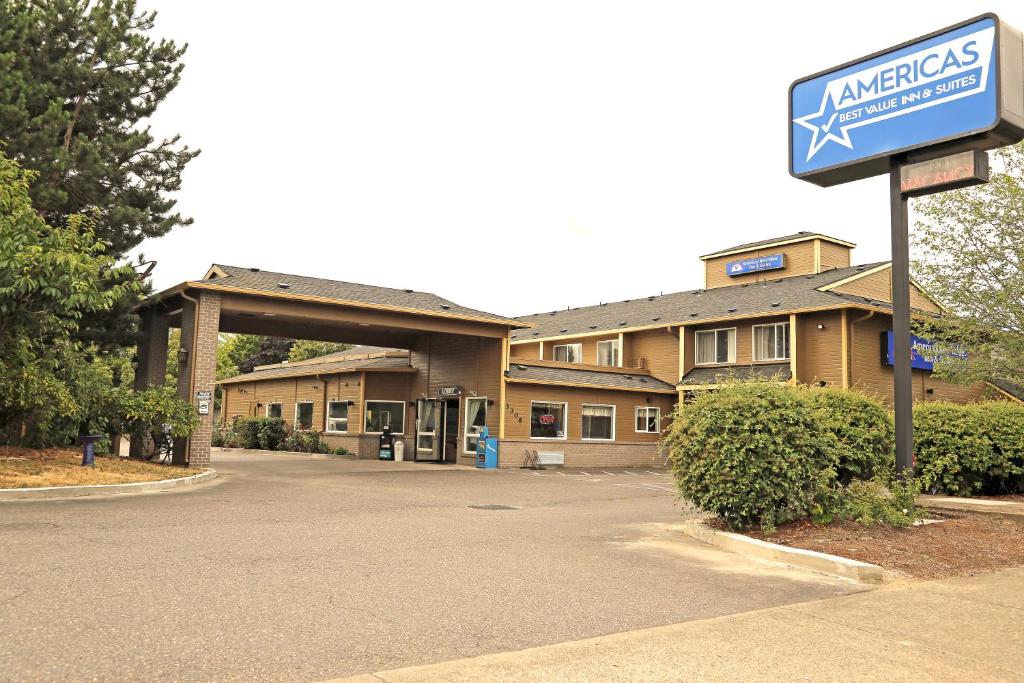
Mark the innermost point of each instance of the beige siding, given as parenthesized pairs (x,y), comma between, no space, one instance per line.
(659,349)
(391,386)
(526,351)
(345,387)
(799,260)
(819,352)
(878,286)
(834,255)
(520,396)
(744,338)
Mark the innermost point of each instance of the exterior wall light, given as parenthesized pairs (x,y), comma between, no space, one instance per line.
(182,356)
(821,326)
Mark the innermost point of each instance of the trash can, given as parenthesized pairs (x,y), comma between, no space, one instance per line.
(399,450)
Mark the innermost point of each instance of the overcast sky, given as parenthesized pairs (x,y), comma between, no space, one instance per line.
(514,157)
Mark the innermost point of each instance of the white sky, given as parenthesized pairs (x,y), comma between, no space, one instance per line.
(514,157)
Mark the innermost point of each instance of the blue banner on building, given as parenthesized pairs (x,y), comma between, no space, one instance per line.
(755,265)
(917,346)
(938,88)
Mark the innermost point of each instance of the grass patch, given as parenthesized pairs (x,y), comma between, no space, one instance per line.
(30,468)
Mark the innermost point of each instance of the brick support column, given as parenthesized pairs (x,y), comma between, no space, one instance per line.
(150,358)
(199,370)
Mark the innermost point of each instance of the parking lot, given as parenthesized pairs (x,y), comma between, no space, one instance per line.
(303,568)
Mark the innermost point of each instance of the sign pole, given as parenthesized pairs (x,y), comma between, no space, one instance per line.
(902,399)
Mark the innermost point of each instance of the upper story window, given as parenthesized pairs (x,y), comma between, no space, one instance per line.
(568,353)
(716,346)
(608,352)
(771,342)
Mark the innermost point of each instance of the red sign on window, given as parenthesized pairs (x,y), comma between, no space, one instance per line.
(547,419)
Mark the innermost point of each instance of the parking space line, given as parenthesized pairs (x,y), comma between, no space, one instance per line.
(633,473)
(610,474)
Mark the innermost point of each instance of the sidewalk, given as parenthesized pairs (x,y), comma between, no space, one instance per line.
(969,628)
(1005,508)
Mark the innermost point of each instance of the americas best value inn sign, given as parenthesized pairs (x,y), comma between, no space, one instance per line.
(963,86)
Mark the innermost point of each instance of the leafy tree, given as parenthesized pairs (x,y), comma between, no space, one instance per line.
(78,79)
(305,349)
(51,277)
(268,350)
(971,259)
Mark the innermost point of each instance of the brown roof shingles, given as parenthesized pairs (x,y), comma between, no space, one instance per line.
(523,371)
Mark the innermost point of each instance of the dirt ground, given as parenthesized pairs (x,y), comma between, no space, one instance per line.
(961,544)
(28,468)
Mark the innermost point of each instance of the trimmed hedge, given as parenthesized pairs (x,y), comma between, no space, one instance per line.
(863,432)
(752,453)
(966,450)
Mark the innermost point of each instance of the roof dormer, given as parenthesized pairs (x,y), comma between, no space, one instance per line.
(805,253)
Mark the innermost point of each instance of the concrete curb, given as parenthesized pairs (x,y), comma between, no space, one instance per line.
(105,489)
(833,565)
(983,506)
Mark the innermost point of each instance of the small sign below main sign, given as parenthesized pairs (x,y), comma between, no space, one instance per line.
(756,264)
(946,173)
(204,407)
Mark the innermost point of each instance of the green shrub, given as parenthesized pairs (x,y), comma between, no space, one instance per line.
(264,433)
(341,450)
(863,431)
(752,453)
(871,502)
(305,442)
(966,450)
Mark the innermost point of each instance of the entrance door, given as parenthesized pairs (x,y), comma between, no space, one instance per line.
(429,422)
(451,430)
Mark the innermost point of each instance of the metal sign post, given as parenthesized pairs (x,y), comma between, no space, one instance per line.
(902,397)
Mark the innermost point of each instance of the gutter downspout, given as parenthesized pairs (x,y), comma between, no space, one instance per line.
(853,324)
(191,363)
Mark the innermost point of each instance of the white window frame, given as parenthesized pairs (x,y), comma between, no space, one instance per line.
(266,408)
(597,405)
(732,346)
(466,435)
(295,422)
(754,341)
(647,409)
(577,349)
(565,421)
(328,418)
(366,414)
(616,353)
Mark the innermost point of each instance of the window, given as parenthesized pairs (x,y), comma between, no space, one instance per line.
(337,416)
(476,418)
(608,352)
(274,410)
(547,420)
(426,424)
(599,422)
(569,353)
(381,414)
(648,420)
(716,346)
(771,342)
(304,416)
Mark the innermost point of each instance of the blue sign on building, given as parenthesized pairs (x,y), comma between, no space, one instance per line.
(917,345)
(846,122)
(755,265)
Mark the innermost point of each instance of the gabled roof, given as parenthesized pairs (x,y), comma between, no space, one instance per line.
(771,297)
(1009,388)
(253,280)
(525,372)
(715,375)
(801,236)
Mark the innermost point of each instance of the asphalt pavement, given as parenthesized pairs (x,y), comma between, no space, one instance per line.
(309,568)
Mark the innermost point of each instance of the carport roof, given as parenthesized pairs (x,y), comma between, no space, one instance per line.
(394,363)
(236,279)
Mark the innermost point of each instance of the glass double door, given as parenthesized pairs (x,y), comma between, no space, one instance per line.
(437,430)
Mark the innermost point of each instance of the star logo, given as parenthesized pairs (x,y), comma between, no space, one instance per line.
(823,125)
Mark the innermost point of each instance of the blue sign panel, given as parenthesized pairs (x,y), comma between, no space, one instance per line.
(917,345)
(755,265)
(943,87)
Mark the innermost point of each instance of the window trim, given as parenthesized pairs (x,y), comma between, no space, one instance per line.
(366,414)
(327,417)
(618,353)
(597,405)
(636,414)
(266,408)
(732,346)
(466,434)
(753,342)
(312,414)
(579,353)
(565,421)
